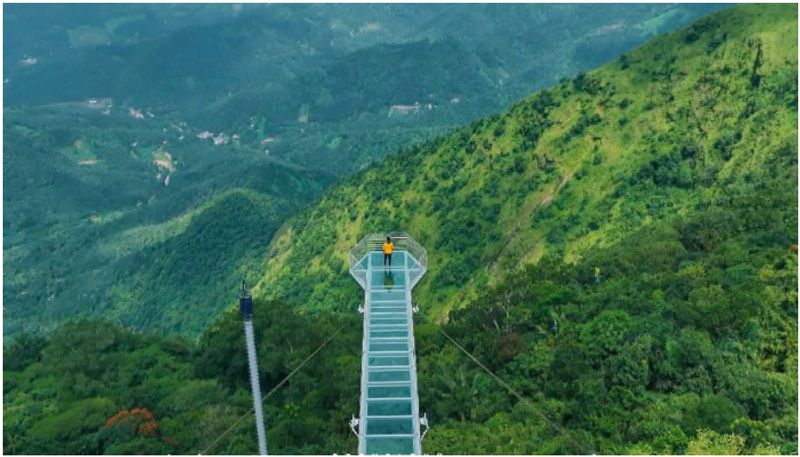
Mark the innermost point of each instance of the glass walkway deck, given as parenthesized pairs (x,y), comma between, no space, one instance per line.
(389,419)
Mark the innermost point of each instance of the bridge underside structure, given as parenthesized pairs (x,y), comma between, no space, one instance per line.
(389,420)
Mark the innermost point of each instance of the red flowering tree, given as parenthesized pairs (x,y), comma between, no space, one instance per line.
(135,424)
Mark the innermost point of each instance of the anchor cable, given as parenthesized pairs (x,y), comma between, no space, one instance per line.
(274,389)
(552,424)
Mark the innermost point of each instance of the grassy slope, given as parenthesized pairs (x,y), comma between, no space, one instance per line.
(552,174)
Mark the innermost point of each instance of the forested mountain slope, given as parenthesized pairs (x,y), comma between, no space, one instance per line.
(123,123)
(671,129)
(118,217)
(618,248)
(645,304)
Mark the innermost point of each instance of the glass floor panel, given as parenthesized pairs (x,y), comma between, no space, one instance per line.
(389,408)
(399,306)
(387,297)
(386,308)
(389,426)
(396,361)
(395,320)
(388,333)
(399,259)
(388,315)
(384,312)
(398,295)
(381,376)
(388,279)
(401,319)
(404,445)
(388,321)
(389,392)
(388,347)
(403,328)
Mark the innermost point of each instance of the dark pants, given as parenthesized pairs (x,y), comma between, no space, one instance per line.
(387,258)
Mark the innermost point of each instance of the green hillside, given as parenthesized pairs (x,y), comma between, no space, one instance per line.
(671,129)
(618,249)
(125,124)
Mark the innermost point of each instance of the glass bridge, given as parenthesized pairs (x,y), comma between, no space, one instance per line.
(389,421)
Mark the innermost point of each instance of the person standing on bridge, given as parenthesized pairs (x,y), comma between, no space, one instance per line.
(388,247)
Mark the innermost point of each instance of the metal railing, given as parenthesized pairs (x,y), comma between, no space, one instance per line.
(374,242)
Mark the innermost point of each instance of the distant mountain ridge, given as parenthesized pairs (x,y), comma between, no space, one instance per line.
(272,63)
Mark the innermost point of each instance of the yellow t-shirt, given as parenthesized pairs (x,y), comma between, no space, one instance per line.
(388,248)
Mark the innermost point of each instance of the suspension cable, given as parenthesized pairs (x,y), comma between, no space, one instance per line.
(273,390)
(530,404)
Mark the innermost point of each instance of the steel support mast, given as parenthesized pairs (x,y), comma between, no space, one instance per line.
(246,309)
